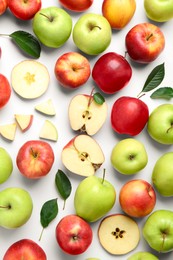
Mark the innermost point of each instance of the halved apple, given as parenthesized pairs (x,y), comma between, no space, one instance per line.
(8,131)
(46,108)
(86,115)
(118,234)
(49,131)
(30,79)
(24,121)
(82,155)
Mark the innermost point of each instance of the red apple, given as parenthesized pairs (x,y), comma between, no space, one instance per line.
(111,72)
(24,10)
(129,115)
(137,198)
(144,42)
(77,5)
(25,249)
(35,159)
(5,90)
(3,6)
(72,70)
(73,234)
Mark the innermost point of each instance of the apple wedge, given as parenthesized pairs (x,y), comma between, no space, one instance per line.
(8,131)
(24,121)
(30,79)
(118,234)
(86,115)
(49,131)
(46,108)
(82,155)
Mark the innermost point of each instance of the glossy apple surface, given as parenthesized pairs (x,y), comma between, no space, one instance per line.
(77,5)
(142,255)
(5,91)
(6,165)
(3,6)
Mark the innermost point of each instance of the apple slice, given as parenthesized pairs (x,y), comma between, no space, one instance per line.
(46,108)
(8,131)
(24,121)
(118,234)
(30,79)
(82,155)
(86,115)
(49,131)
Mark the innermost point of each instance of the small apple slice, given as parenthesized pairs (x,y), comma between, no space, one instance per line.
(82,155)
(118,234)
(49,131)
(30,79)
(8,131)
(46,108)
(24,121)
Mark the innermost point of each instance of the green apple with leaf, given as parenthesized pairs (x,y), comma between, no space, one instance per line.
(6,165)
(142,255)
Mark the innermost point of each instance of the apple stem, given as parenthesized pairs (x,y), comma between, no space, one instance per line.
(90,99)
(49,18)
(141,94)
(104,174)
(169,128)
(41,235)
(149,36)
(5,207)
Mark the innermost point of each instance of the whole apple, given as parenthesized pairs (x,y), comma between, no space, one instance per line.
(5,91)
(77,5)
(6,165)
(3,6)
(73,234)
(144,42)
(111,72)
(142,255)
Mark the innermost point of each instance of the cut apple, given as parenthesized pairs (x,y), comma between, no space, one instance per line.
(86,115)
(30,79)
(8,131)
(82,155)
(46,108)
(24,121)
(49,131)
(118,234)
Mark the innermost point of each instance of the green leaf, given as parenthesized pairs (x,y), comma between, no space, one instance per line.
(27,42)
(98,98)
(165,93)
(48,212)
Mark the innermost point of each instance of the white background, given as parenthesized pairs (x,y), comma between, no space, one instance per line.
(44,189)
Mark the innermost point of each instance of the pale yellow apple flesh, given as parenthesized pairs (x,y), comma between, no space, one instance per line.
(46,107)
(49,131)
(8,131)
(24,121)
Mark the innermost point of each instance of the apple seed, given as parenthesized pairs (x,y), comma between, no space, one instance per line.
(118,233)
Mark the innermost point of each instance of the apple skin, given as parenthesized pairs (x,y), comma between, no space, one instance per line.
(3,6)
(72,70)
(25,249)
(77,5)
(35,159)
(137,198)
(116,72)
(129,115)
(144,42)
(142,255)
(5,91)
(6,165)
(73,234)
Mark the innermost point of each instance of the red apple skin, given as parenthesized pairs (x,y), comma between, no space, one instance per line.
(129,115)
(35,159)
(111,72)
(3,6)
(144,42)
(25,249)
(24,10)
(137,198)
(77,5)
(73,234)
(5,91)
(72,70)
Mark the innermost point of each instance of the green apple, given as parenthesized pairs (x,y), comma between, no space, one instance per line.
(6,165)
(94,197)
(159,10)
(160,124)
(129,156)
(52,26)
(142,256)
(15,207)
(92,33)
(91,258)
(158,230)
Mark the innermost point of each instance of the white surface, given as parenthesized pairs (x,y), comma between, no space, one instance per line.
(44,189)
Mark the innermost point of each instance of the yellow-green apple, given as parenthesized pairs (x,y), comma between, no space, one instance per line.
(3,6)
(24,121)
(92,258)
(72,70)
(73,234)
(49,131)
(118,234)
(92,33)
(25,249)
(15,207)
(158,230)
(129,156)
(6,165)
(142,255)
(129,115)
(118,12)
(85,115)
(137,198)
(111,72)
(46,107)
(48,25)
(160,126)
(82,155)
(5,90)
(77,5)
(144,42)
(24,10)
(35,159)
(8,131)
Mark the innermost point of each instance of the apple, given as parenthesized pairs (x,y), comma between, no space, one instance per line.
(92,33)
(48,26)
(85,115)
(92,258)
(118,234)
(5,90)
(118,13)
(144,42)
(25,249)
(49,131)
(73,234)
(72,70)
(159,125)
(8,131)
(158,230)
(137,198)
(111,72)
(6,165)
(24,121)
(76,6)
(46,107)
(3,6)
(129,115)
(82,155)
(35,159)
(142,255)
(15,206)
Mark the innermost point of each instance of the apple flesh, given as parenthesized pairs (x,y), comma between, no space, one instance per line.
(6,165)
(8,131)
(46,107)
(3,6)
(142,255)
(24,121)
(49,131)
(5,91)
(76,6)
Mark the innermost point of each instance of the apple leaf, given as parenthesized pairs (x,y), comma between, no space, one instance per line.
(165,93)
(98,98)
